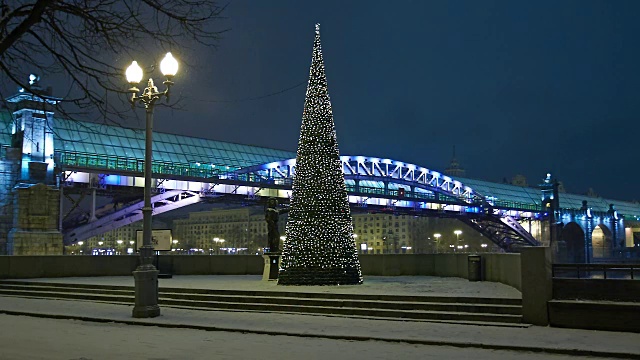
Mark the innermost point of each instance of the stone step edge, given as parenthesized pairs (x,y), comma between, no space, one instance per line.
(487,308)
(277,306)
(391,314)
(631,304)
(411,298)
(364,317)
(403,319)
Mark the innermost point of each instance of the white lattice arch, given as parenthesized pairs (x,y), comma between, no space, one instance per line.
(376,169)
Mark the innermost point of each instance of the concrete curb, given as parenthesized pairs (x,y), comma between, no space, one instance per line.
(547,350)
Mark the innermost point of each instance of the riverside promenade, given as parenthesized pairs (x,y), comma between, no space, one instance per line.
(29,315)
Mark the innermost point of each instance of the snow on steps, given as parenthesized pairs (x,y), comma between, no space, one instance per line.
(450,309)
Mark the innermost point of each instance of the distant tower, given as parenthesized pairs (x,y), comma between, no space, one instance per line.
(454,168)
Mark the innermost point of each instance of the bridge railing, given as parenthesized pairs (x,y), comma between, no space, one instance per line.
(120,163)
(597,271)
(506,204)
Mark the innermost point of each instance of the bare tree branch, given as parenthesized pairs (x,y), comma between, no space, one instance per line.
(89,42)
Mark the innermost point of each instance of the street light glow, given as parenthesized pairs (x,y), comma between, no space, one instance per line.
(134,73)
(168,66)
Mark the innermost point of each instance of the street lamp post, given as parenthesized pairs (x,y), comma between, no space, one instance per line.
(146,275)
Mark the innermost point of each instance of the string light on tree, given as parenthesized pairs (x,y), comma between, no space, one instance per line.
(320,247)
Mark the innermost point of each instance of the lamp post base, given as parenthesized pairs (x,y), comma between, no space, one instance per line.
(146,288)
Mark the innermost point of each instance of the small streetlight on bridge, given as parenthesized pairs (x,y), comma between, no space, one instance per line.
(457,232)
(119,247)
(437,236)
(219,243)
(146,275)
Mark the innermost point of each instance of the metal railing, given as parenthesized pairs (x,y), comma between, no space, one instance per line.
(596,271)
(120,163)
(516,205)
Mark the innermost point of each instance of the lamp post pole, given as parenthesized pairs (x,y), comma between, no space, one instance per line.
(146,274)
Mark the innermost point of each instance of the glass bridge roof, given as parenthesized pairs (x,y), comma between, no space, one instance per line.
(89,138)
(72,137)
(509,192)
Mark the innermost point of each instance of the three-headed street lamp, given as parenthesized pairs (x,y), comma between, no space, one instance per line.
(146,275)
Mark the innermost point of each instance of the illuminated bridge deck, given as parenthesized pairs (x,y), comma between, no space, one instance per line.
(98,148)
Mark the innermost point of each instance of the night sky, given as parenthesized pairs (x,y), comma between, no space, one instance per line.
(518,87)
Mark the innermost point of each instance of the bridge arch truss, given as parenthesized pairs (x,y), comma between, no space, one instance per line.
(378,177)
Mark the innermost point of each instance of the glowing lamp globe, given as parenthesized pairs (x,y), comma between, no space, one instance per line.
(169,65)
(134,73)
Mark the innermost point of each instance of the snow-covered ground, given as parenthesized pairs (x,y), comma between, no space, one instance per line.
(250,335)
(51,339)
(393,285)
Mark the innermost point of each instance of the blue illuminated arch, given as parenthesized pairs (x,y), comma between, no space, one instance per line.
(375,169)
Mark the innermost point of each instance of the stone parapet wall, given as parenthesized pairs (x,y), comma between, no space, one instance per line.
(35,243)
(36,211)
(9,173)
(504,268)
(495,267)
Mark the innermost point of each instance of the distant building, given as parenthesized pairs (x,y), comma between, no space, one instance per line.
(383,233)
(561,188)
(406,234)
(112,242)
(244,231)
(454,168)
(519,180)
(241,231)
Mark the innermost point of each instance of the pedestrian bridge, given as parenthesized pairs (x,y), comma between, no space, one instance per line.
(97,159)
(382,184)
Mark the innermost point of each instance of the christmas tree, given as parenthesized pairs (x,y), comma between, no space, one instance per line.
(319,248)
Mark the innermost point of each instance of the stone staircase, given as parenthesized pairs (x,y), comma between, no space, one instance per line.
(468,310)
